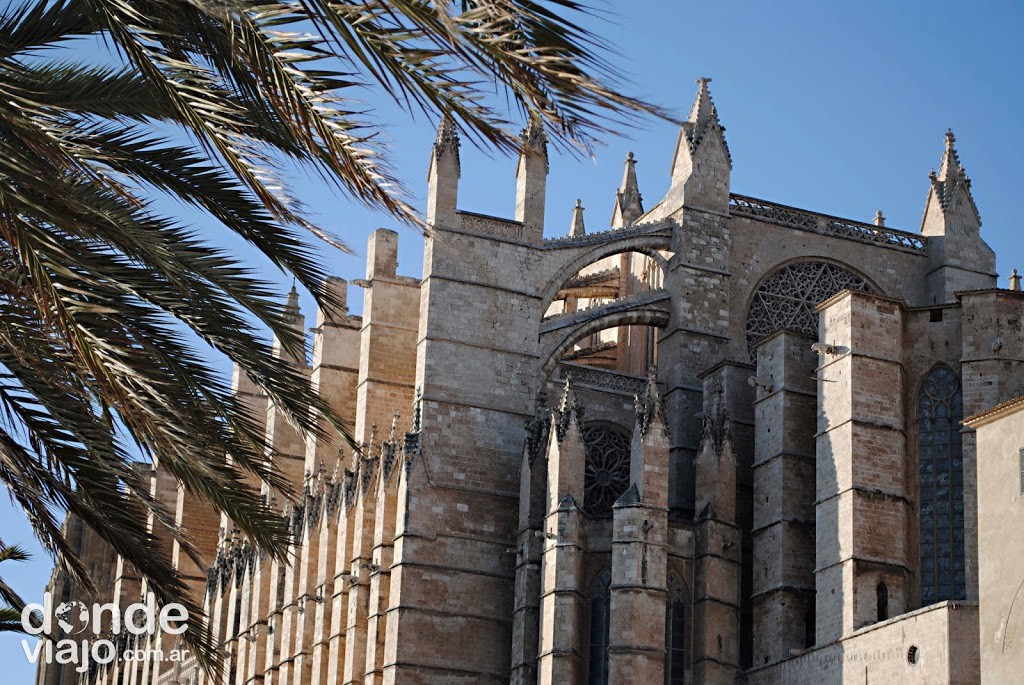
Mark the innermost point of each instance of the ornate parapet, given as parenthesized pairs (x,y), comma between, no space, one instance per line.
(490,225)
(802,219)
(611,235)
(601,379)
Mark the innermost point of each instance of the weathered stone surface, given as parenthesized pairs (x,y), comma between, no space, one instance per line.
(709,497)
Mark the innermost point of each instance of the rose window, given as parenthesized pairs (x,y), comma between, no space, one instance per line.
(607,468)
(790,295)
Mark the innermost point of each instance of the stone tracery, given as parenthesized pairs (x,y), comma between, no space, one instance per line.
(607,468)
(788,297)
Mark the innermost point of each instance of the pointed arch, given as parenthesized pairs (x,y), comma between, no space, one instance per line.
(675,631)
(600,629)
(646,309)
(787,294)
(647,239)
(941,486)
(881,601)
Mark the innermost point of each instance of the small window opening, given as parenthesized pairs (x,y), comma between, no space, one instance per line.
(935,315)
(809,628)
(882,599)
(1021,458)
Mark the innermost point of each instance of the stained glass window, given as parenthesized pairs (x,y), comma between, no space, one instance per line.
(941,477)
(675,633)
(600,629)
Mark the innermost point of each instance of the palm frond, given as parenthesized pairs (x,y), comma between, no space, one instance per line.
(109,308)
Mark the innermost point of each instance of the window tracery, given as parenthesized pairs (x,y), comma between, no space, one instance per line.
(600,630)
(941,479)
(787,299)
(675,633)
(606,474)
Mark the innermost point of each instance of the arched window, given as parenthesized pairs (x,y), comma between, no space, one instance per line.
(882,601)
(600,629)
(607,468)
(788,297)
(675,633)
(941,472)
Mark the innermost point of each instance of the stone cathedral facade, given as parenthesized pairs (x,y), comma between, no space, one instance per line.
(717,441)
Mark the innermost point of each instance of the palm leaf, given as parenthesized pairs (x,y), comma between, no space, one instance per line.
(109,308)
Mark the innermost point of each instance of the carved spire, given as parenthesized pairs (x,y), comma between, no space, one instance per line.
(447,141)
(716,426)
(703,111)
(443,175)
(292,316)
(576,228)
(647,405)
(417,410)
(702,120)
(628,201)
(531,180)
(701,164)
(568,411)
(951,177)
(950,163)
(291,305)
(411,446)
(394,426)
(535,140)
(1014,280)
(537,428)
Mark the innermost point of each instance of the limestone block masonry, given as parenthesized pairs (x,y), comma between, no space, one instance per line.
(715,441)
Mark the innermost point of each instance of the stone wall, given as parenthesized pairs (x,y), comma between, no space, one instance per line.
(943,638)
(1000,441)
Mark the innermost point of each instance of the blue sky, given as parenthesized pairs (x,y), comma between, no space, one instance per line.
(834,107)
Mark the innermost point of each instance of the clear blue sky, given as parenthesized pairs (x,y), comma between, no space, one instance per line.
(835,107)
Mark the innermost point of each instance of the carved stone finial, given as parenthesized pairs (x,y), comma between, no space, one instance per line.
(447,141)
(292,303)
(394,426)
(1014,280)
(566,394)
(951,176)
(568,410)
(537,428)
(703,118)
(629,203)
(879,218)
(535,140)
(533,136)
(703,112)
(647,404)
(417,416)
(577,228)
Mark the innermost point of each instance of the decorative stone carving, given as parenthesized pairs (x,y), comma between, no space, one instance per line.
(606,475)
(762,210)
(600,379)
(788,298)
(661,226)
